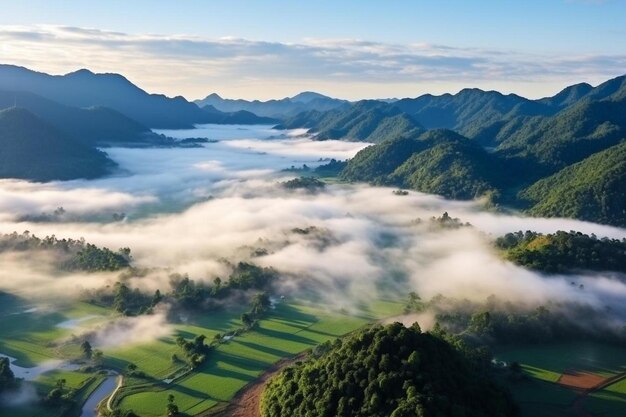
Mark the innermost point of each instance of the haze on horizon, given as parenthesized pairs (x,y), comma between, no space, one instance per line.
(353,50)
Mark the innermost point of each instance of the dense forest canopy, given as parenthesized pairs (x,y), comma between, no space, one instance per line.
(564,251)
(386,371)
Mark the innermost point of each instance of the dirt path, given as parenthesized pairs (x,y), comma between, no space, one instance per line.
(247,403)
(578,405)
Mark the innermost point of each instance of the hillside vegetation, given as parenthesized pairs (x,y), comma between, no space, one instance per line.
(593,189)
(564,251)
(386,371)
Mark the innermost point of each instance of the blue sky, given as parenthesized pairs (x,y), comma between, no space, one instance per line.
(353,49)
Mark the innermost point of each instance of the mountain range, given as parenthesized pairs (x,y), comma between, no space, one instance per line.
(556,156)
(277,109)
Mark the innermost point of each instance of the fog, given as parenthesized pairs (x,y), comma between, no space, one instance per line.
(189,208)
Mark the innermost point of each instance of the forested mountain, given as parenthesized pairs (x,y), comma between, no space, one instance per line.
(438,161)
(387,371)
(366,120)
(593,189)
(83,88)
(551,143)
(94,125)
(241,117)
(34,150)
(468,109)
(277,109)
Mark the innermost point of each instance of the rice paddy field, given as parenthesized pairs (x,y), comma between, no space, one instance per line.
(32,337)
(567,379)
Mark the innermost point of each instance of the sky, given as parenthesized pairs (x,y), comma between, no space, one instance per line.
(350,49)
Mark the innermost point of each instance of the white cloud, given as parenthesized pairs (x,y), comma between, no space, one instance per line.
(195,65)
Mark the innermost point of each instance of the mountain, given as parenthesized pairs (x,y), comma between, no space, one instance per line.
(592,189)
(83,88)
(277,109)
(567,96)
(468,109)
(94,125)
(459,170)
(594,123)
(438,161)
(365,121)
(34,150)
(240,117)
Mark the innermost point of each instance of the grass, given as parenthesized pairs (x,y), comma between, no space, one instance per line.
(610,401)
(291,328)
(286,331)
(541,396)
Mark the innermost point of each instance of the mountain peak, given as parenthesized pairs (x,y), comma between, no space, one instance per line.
(307,96)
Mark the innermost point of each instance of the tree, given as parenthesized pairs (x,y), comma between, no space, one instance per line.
(86,348)
(247,319)
(7,378)
(172,408)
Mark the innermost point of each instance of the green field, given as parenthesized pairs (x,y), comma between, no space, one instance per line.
(287,330)
(34,337)
(540,396)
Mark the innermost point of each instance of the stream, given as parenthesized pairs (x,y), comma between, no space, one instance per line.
(104,390)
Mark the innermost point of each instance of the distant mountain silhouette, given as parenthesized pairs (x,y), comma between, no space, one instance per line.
(93,125)
(34,150)
(83,88)
(278,109)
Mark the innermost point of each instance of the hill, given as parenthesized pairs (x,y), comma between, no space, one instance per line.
(563,252)
(32,149)
(438,161)
(592,189)
(241,117)
(94,125)
(593,123)
(469,109)
(83,88)
(366,121)
(277,109)
(386,371)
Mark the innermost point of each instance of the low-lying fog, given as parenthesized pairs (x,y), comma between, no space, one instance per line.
(188,208)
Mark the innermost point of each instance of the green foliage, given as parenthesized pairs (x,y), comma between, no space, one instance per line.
(564,251)
(7,378)
(310,184)
(195,350)
(33,150)
(70,254)
(589,190)
(386,371)
(438,161)
(367,121)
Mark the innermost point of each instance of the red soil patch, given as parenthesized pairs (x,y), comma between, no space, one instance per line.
(580,380)
(247,403)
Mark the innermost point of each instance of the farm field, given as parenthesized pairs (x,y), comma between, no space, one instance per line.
(559,373)
(286,331)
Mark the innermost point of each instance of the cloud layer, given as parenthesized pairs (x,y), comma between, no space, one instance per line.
(195,66)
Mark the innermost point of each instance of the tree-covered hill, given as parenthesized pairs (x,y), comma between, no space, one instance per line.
(32,149)
(460,170)
(593,189)
(387,371)
(367,121)
(438,161)
(564,251)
